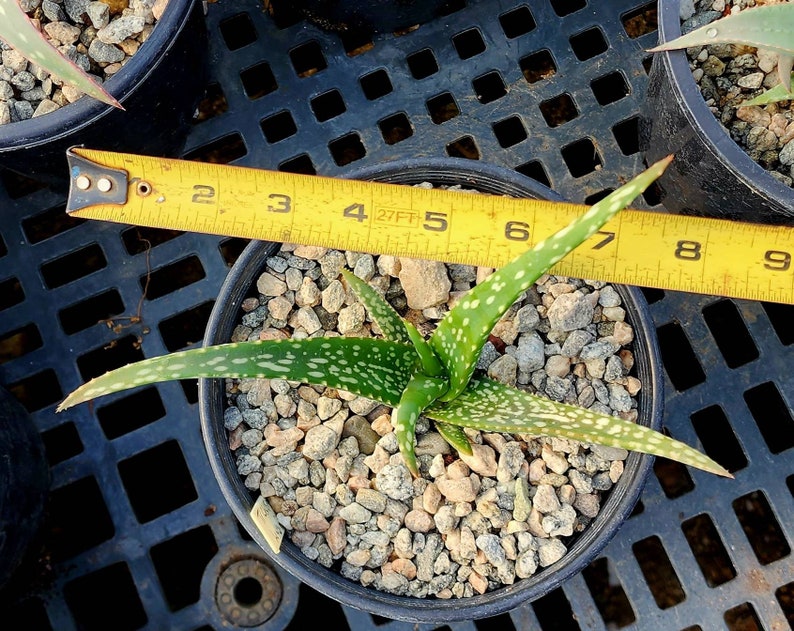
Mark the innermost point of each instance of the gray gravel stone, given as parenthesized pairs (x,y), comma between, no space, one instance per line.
(104,53)
(550,551)
(395,482)
(320,441)
(122,28)
(569,312)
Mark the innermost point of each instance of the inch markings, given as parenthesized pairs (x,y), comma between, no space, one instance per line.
(651,249)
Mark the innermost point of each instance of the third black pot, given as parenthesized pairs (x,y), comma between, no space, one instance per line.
(226,314)
(361,16)
(711,175)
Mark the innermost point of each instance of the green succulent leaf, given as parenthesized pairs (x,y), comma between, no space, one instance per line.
(772,95)
(392,325)
(384,315)
(373,368)
(490,406)
(455,436)
(768,26)
(431,364)
(420,392)
(18,31)
(460,336)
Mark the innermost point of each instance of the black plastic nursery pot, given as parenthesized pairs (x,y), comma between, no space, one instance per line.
(581,552)
(24,483)
(711,175)
(366,16)
(159,88)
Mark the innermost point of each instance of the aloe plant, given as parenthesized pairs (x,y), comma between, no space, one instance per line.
(769,27)
(431,377)
(18,31)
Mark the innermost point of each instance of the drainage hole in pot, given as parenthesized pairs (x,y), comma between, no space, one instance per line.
(221,151)
(610,597)
(517,22)
(38,390)
(718,438)
(536,171)
(626,134)
(238,31)
(680,361)
(708,549)
(49,223)
(538,66)
(347,149)
(581,157)
(640,21)
(730,333)
(463,147)
(780,317)
(566,7)
(673,477)
(589,44)
(308,59)
(214,102)
(248,592)
(62,443)
(376,84)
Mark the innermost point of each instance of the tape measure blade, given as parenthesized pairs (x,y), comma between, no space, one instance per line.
(652,249)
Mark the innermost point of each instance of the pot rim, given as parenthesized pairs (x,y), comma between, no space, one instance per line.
(86,110)
(613,512)
(702,120)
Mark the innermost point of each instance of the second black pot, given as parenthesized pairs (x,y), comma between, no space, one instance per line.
(615,509)
(711,175)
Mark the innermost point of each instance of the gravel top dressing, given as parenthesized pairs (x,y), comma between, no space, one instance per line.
(328,462)
(730,74)
(98,36)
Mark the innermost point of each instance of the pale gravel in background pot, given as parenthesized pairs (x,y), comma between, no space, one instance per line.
(99,37)
(728,75)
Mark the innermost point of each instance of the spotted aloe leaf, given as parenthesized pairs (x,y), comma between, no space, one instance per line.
(392,325)
(372,368)
(460,336)
(455,436)
(768,26)
(420,392)
(18,31)
(384,315)
(490,406)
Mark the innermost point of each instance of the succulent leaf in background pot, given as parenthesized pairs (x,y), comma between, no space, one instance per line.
(711,174)
(433,378)
(159,86)
(18,32)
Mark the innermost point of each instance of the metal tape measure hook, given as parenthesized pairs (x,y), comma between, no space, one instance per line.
(91,184)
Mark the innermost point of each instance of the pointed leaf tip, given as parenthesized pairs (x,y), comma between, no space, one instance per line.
(18,31)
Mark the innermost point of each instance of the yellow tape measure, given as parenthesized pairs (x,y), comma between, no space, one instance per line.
(649,249)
